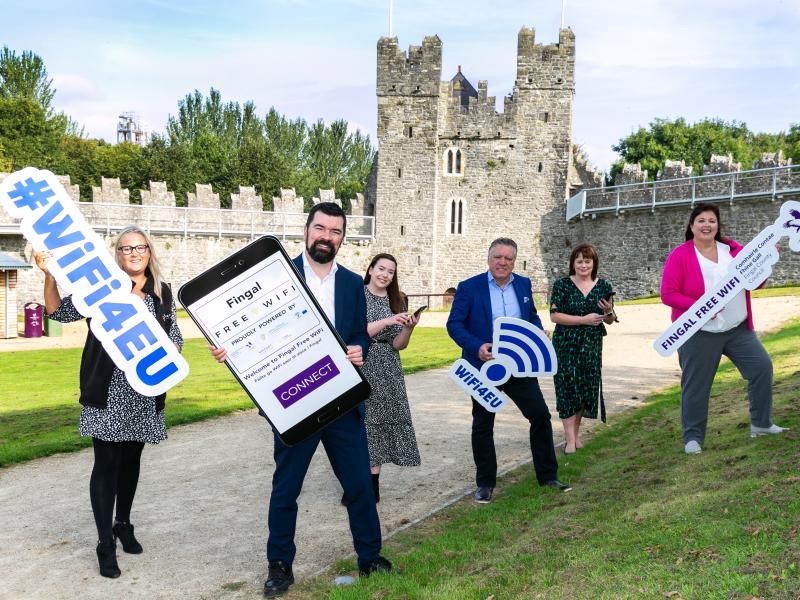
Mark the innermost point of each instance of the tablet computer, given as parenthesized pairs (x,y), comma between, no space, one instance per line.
(281,347)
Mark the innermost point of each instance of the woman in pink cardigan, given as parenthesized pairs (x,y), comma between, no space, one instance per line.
(691,268)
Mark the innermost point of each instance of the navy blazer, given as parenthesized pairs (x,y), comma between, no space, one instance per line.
(470,322)
(349,304)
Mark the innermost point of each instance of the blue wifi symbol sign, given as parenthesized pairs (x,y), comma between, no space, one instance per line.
(520,349)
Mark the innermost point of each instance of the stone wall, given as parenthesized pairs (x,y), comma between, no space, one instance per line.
(633,246)
(181,258)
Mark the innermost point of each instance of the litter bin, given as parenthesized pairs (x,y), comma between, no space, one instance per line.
(33,319)
(52,328)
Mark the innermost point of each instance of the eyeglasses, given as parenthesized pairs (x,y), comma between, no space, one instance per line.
(140,249)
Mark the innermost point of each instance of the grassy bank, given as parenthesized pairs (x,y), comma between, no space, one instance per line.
(644,519)
(39,407)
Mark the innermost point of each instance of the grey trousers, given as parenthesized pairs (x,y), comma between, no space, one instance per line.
(699,359)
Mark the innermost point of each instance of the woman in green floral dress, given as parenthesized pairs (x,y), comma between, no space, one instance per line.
(579,306)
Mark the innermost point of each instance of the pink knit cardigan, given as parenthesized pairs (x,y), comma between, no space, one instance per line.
(682,280)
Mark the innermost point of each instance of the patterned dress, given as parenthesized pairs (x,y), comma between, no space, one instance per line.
(390,433)
(579,349)
(129,416)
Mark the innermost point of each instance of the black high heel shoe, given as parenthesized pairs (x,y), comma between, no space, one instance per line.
(107,559)
(124,532)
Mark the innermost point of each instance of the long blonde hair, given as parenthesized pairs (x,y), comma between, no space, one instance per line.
(152,265)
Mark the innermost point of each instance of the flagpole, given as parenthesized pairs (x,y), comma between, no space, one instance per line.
(390,19)
(563,11)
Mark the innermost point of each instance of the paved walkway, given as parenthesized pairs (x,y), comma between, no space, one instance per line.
(200,511)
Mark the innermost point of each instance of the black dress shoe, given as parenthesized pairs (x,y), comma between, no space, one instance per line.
(107,559)
(376,565)
(279,578)
(483,495)
(124,533)
(555,483)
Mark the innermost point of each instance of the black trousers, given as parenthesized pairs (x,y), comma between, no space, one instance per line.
(525,393)
(115,476)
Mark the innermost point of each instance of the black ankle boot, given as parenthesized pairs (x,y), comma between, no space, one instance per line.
(124,532)
(376,487)
(107,559)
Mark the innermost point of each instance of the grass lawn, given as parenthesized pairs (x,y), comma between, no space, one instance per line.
(39,407)
(644,519)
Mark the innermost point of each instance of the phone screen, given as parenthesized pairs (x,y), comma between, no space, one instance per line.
(281,347)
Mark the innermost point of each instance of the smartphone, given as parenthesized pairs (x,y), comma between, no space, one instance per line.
(609,295)
(282,349)
(418,312)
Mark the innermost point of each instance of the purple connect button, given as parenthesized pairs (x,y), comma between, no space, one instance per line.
(306,381)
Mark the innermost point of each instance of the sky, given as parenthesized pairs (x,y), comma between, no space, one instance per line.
(636,60)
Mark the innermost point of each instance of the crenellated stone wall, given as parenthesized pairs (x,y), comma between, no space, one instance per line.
(184,254)
(633,245)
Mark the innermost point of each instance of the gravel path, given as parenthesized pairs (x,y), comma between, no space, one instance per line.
(200,511)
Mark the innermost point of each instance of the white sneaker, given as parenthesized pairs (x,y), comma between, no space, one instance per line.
(692,448)
(756,431)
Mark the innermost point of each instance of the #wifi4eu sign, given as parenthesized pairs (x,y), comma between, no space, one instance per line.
(520,349)
(81,266)
(748,270)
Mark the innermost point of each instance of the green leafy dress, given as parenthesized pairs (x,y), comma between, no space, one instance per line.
(579,349)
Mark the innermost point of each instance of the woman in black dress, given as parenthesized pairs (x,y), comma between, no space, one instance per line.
(119,419)
(390,433)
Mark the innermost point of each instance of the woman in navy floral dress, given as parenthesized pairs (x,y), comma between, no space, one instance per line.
(118,418)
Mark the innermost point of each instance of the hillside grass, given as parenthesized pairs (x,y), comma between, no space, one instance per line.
(644,520)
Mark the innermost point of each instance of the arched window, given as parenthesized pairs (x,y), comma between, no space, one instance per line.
(453,161)
(456,217)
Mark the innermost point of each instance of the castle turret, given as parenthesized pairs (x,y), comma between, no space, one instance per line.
(453,174)
(408,89)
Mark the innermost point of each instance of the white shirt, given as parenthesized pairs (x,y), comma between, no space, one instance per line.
(736,310)
(324,289)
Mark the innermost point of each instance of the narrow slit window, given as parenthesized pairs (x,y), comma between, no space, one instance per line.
(460,214)
(458,161)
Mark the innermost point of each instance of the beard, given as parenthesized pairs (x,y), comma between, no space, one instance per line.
(321,255)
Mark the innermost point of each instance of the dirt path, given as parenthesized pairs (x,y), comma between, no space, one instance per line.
(200,511)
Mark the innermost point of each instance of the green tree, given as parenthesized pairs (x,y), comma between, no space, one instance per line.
(667,139)
(29,136)
(25,76)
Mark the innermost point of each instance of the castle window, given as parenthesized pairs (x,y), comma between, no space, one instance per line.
(399,173)
(540,167)
(524,265)
(453,161)
(456,217)
(402,229)
(410,131)
(546,117)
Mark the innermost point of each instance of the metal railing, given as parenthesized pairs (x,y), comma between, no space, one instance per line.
(773,183)
(185,221)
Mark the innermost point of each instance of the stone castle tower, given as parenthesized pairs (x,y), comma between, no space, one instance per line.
(452,173)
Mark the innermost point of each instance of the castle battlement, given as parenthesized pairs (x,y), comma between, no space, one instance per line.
(416,73)
(545,67)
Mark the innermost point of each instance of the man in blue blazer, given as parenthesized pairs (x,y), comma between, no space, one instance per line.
(478,302)
(340,293)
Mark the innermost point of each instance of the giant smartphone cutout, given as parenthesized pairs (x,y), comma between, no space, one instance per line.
(281,347)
